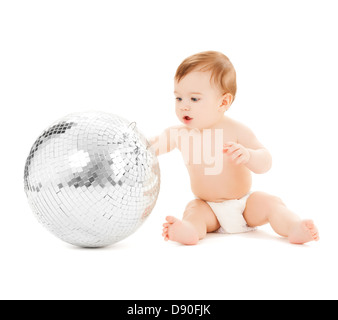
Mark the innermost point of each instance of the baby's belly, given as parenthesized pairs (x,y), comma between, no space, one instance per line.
(231,183)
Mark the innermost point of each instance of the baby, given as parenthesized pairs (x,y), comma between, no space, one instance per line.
(220,154)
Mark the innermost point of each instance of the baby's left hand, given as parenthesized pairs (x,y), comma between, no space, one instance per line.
(238,153)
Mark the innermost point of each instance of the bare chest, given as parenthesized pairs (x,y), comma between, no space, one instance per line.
(203,148)
(212,173)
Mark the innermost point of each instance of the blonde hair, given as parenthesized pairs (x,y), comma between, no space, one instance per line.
(223,73)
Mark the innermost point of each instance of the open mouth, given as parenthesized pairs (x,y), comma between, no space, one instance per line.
(187,118)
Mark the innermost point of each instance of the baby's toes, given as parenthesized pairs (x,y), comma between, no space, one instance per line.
(171,219)
(312,229)
(315,234)
(165,236)
(165,233)
(309,224)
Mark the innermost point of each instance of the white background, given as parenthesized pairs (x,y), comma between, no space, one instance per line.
(58,57)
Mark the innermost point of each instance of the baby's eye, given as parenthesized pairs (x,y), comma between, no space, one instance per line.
(195,99)
(179,99)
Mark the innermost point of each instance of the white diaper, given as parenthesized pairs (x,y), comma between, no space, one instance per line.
(230,215)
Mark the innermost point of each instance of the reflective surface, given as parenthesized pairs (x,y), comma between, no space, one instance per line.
(91,179)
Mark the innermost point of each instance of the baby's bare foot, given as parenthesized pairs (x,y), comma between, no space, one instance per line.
(179,231)
(304,231)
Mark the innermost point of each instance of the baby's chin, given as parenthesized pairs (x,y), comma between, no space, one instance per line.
(190,125)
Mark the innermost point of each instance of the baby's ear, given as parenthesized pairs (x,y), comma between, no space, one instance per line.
(227,99)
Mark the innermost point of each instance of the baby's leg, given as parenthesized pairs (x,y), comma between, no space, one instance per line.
(262,208)
(198,219)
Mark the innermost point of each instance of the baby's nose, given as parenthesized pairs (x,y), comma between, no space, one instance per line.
(185,107)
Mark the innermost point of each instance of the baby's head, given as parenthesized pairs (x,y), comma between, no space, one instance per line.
(205,87)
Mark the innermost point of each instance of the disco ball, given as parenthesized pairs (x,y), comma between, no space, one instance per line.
(92,179)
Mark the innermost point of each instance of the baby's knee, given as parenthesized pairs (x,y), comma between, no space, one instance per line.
(193,206)
(276,201)
(273,201)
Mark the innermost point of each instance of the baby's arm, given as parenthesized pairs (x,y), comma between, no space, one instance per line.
(249,151)
(165,142)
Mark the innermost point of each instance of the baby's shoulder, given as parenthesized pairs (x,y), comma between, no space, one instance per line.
(237,127)
(234,124)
